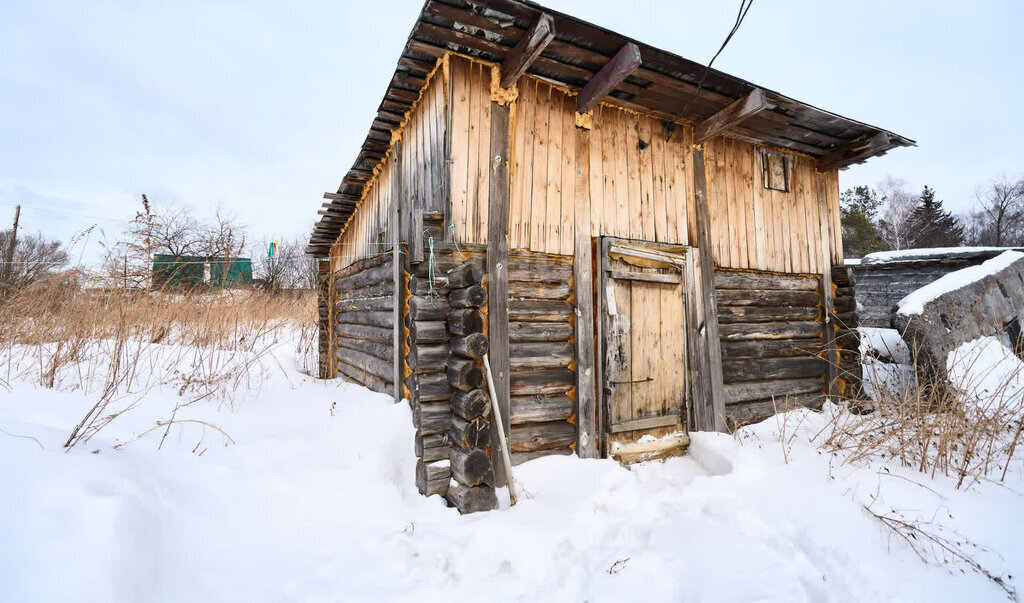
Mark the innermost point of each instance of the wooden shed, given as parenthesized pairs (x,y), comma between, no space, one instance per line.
(642,246)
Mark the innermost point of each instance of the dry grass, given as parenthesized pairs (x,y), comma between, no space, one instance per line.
(934,426)
(119,344)
(921,420)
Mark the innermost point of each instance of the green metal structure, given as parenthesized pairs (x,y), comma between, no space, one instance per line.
(188,273)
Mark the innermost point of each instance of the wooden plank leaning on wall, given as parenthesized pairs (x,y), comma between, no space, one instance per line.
(827,313)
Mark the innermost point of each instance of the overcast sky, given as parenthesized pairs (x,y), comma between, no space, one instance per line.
(260,107)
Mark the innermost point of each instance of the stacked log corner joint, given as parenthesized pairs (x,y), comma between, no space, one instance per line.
(451,410)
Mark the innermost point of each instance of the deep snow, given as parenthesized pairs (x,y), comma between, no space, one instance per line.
(315,501)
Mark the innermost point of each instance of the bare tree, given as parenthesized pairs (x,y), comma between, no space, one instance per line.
(224,238)
(175,232)
(35,257)
(896,225)
(289,269)
(999,217)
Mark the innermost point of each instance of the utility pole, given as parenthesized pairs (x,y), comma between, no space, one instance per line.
(9,256)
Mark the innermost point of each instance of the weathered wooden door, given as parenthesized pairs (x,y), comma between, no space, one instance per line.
(641,307)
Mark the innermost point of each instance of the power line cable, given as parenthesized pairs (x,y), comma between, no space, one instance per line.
(70,213)
(740,16)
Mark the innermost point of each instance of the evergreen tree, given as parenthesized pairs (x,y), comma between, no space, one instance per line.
(934,226)
(858,208)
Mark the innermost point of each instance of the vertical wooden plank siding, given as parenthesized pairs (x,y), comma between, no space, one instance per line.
(761,229)
(372,230)
(538,207)
(586,393)
(397,203)
(567,219)
(497,275)
(832,201)
(635,193)
(474,101)
(637,190)
(522,166)
(551,240)
(645,181)
(619,218)
(459,160)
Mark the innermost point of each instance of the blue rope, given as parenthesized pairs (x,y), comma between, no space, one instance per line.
(454,240)
(431,267)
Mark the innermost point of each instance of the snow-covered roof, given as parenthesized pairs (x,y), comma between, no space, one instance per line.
(930,253)
(915,302)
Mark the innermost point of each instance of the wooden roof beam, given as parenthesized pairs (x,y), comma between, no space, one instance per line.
(856,151)
(751,104)
(527,50)
(625,62)
(336,207)
(340,197)
(330,211)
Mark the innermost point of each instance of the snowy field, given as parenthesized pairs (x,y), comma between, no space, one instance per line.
(303,490)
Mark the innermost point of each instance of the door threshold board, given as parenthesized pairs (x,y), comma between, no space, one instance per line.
(637,452)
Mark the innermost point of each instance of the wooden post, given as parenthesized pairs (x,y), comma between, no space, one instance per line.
(600,340)
(8,271)
(586,394)
(827,323)
(331,316)
(709,411)
(497,277)
(396,261)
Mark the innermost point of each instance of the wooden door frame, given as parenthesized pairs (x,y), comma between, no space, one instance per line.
(686,269)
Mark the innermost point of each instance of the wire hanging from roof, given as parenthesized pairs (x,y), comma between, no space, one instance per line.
(740,16)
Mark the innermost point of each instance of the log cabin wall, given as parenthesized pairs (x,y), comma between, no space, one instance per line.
(770,328)
(847,319)
(324,313)
(363,342)
(640,172)
(447,335)
(370,230)
(541,355)
(471,463)
(428,350)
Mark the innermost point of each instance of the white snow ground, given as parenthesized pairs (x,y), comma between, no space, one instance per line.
(885,361)
(315,501)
